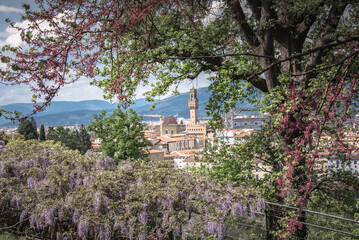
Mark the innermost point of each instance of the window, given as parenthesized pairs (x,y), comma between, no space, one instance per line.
(166,131)
(172,131)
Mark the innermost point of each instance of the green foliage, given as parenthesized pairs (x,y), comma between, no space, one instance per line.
(4,137)
(7,236)
(240,162)
(42,133)
(65,136)
(84,139)
(28,129)
(337,203)
(72,139)
(121,133)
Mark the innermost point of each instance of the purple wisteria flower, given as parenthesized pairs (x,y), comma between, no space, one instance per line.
(75,216)
(230,187)
(49,216)
(97,204)
(105,233)
(4,173)
(211,228)
(22,216)
(116,226)
(159,234)
(130,232)
(221,230)
(124,229)
(60,213)
(236,210)
(251,207)
(2,145)
(164,220)
(139,182)
(82,228)
(86,181)
(142,236)
(244,211)
(142,217)
(260,204)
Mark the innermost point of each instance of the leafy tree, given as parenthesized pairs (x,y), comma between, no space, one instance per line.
(28,129)
(84,139)
(49,130)
(45,185)
(121,133)
(4,137)
(72,139)
(299,57)
(42,133)
(65,136)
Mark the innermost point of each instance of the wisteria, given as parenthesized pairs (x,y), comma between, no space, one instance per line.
(51,188)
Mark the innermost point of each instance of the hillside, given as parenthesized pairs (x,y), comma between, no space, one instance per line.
(72,113)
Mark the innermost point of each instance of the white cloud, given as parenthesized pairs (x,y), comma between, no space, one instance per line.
(7,9)
(14,94)
(13,37)
(78,91)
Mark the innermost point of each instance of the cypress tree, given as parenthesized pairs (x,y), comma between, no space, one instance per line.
(42,133)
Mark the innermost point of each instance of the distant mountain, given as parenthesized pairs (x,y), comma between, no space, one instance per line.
(72,113)
(58,109)
(61,106)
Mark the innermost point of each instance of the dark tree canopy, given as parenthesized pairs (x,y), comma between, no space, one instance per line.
(42,133)
(28,129)
(72,139)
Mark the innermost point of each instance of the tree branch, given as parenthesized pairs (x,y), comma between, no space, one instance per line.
(325,37)
(224,55)
(242,24)
(313,50)
(255,6)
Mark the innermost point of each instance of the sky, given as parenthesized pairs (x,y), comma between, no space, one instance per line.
(81,90)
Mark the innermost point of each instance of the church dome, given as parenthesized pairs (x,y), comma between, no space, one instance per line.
(170,120)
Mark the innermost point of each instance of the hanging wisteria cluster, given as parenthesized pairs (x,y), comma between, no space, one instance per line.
(55,192)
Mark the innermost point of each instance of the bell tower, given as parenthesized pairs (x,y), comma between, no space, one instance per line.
(193,106)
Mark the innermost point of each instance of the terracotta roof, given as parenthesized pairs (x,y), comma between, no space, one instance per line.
(188,151)
(155,151)
(165,138)
(178,139)
(161,143)
(171,155)
(190,159)
(242,134)
(169,120)
(236,130)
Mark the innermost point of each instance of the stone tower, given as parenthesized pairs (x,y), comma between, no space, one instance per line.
(193,106)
